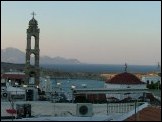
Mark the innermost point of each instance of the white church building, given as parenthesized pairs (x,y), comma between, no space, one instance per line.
(127,82)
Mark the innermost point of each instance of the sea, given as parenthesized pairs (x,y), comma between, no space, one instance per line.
(102,68)
(66,84)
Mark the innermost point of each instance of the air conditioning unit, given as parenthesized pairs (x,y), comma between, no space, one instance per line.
(84,109)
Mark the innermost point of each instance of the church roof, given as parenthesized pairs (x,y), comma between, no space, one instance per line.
(125,78)
(13,76)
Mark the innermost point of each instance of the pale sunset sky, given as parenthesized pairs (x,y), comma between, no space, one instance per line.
(99,32)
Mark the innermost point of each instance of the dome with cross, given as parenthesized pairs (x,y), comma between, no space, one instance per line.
(33,21)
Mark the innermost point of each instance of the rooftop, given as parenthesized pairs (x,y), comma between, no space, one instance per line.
(151,113)
(13,76)
(125,78)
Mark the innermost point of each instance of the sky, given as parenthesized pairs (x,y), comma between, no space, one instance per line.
(96,32)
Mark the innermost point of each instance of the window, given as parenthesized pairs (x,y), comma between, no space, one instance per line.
(32,42)
(32,59)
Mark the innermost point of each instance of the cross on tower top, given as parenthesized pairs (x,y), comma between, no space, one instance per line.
(33,14)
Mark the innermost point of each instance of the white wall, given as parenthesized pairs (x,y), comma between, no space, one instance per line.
(3,80)
(122,96)
(153,79)
(125,86)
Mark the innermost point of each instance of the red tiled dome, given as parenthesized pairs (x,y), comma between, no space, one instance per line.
(125,78)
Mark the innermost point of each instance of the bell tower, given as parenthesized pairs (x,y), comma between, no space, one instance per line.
(32,71)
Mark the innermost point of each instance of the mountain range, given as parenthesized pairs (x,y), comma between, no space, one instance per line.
(14,55)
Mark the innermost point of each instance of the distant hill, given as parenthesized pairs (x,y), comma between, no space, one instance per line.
(13,55)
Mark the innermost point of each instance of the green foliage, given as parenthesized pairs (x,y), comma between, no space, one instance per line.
(156,85)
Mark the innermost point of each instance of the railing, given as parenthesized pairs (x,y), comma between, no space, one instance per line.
(120,107)
(130,113)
